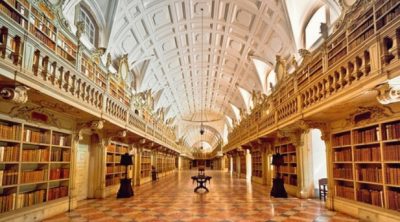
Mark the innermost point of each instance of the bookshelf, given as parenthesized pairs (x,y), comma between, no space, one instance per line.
(160,160)
(256,161)
(242,161)
(34,165)
(367,164)
(42,28)
(288,170)
(385,12)
(145,168)
(361,29)
(17,10)
(66,48)
(114,171)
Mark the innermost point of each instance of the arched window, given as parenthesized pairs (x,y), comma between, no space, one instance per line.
(90,25)
(313,27)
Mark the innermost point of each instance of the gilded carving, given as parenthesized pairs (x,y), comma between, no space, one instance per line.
(25,112)
(387,94)
(376,113)
(19,94)
(96,54)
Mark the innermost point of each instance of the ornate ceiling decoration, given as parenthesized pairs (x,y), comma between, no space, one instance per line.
(165,35)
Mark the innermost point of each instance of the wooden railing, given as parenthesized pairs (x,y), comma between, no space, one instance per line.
(357,54)
(30,62)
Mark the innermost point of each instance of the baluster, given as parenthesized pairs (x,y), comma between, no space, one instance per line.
(367,62)
(3,41)
(72,85)
(53,69)
(66,81)
(16,49)
(36,62)
(359,68)
(387,46)
(60,78)
(45,64)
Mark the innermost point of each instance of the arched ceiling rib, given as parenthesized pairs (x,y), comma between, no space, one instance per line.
(169,32)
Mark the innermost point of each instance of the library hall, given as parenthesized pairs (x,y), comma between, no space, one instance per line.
(200,110)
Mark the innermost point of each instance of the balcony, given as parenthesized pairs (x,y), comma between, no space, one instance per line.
(53,62)
(359,55)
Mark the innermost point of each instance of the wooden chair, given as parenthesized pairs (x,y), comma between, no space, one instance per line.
(322,187)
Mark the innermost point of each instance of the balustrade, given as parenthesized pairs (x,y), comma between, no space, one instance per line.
(354,55)
(86,87)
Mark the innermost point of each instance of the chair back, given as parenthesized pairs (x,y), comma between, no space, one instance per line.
(322,182)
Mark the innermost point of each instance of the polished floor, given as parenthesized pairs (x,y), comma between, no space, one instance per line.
(230,199)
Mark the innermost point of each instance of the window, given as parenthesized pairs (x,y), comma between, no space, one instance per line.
(90,28)
(313,27)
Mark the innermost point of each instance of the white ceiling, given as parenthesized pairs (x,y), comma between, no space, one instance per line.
(165,35)
(170,32)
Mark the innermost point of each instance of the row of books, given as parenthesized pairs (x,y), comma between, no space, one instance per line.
(341,139)
(42,37)
(110,158)
(370,174)
(59,173)
(9,153)
(36,136)
(10,132)
(57,192)
(7,202)
(288,169)
(114,169)
(391,152)
(392,131)
(343,173)
(374,197)
(112,180)
(117,149)
(366,135)
(393,199)
(287,148)
(360,28)
(393,175)
(14,15)
(344,191)
(34,176)
(394,13)
(35,155)
(31,198)
(361,39)
(61,140)
(291,180)
(367,154)
(60,155)
(8,177)
(342,155)
(289,158)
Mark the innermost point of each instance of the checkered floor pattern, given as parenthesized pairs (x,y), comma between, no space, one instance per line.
(230,199)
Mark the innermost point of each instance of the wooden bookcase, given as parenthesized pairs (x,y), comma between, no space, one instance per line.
(160,160)
(289,170)
(34,164)
(66,48)
(243,167)
(114,171)
(145,168)
(17,10)
(256,162)
(366,164)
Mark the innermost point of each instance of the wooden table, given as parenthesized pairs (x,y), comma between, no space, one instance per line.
(201,181)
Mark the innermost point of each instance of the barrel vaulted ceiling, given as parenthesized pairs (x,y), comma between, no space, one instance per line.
(169,34)
(163,40)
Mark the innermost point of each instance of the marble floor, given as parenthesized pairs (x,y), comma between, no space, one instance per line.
(230,199)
